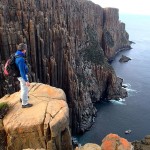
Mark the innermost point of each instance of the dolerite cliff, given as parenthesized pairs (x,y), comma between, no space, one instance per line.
(115,38)
(69,45)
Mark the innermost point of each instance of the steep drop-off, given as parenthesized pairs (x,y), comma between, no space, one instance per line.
(69,44)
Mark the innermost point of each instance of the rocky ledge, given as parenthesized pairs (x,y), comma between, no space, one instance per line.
(45,125)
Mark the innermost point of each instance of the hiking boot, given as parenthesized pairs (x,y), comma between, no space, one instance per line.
(26,106)
(21,99)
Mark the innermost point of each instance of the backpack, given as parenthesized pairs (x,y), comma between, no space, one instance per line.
(10,68)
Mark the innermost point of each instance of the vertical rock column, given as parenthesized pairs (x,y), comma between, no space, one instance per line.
(115,37)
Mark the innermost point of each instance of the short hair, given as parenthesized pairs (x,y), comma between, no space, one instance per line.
(22,47)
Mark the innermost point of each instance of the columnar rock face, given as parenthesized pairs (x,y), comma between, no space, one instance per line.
(69,44)
(45,125)
(115,38)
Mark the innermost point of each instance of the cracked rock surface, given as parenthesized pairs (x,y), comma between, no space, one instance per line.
(44,125)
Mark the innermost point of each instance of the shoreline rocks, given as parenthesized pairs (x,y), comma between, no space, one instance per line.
(143,144)
(124,59)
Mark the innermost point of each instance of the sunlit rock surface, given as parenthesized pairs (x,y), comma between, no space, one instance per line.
(44,125)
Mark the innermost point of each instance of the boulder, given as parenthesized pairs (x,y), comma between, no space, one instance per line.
(45,125)
(89,146)
(115,142)
(124,59)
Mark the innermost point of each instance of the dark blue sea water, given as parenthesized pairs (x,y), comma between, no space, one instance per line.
(132,112)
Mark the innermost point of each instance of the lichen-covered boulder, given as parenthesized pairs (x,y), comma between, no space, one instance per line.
(115,142)
(44,125)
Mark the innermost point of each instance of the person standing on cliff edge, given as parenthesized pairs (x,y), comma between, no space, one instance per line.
(23,77)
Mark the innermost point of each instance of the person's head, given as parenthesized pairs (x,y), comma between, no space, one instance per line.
(22,47)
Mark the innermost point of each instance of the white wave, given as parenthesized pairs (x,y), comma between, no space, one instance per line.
(128,88)
(131,90)
(118,102)
(122,100)
(127,85)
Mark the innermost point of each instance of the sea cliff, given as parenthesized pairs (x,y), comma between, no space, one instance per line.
(69,45)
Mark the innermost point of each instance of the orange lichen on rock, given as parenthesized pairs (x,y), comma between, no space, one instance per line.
(108,145)
(114,142)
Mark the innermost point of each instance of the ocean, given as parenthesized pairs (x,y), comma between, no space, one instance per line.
(132,112)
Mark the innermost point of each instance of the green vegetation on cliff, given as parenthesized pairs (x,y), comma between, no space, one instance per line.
(108,38)
(93,53)
(3,109)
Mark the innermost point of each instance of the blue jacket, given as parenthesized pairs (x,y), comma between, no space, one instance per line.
(21,64)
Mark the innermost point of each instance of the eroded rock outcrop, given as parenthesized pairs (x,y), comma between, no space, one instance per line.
(69,44)
(110,142)
(144,144)
(124,59)
(45,125)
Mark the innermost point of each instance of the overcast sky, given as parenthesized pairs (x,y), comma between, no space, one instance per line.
(127,6)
